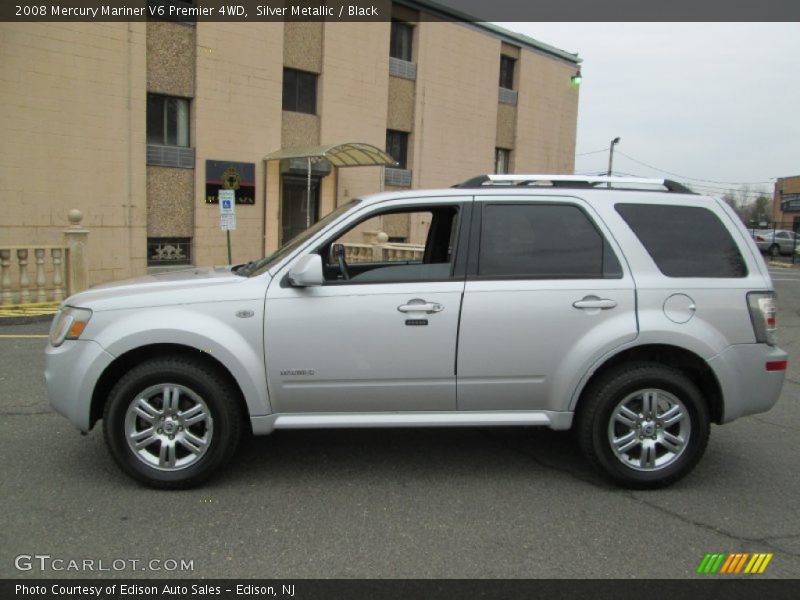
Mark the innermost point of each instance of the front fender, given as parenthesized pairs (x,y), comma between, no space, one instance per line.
(236,343)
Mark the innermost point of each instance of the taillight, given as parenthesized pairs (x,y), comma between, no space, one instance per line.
(764,315)
(760,239)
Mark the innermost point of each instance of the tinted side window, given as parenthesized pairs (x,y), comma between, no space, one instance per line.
(685,241)
(543,241)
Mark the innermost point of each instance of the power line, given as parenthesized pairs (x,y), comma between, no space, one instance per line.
(705,189)
(649,166)
(592,152)
(644,164)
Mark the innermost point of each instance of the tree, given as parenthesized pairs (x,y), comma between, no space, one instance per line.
(761,210)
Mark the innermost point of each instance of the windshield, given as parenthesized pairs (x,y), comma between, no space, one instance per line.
(264,264)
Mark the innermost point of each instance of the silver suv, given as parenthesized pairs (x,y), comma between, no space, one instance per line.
(632,311)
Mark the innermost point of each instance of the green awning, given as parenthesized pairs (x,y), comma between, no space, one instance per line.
(353,154)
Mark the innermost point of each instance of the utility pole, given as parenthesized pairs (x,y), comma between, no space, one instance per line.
(614,142)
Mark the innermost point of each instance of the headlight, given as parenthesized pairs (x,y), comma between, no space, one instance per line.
(69,324)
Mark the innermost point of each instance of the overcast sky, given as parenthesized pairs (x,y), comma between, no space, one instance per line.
(713,101)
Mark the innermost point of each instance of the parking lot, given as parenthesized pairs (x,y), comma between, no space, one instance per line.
(396,503)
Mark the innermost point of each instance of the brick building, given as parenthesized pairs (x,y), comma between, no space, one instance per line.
(139,124)
(786,202)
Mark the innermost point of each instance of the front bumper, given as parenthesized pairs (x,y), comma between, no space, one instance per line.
(71,373)
(747,387)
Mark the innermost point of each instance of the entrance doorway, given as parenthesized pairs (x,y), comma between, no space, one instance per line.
(294,205)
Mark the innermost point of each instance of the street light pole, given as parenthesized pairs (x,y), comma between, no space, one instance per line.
(614,142)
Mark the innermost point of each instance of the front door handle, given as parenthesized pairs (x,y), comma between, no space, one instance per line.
(419,305)
(595,302)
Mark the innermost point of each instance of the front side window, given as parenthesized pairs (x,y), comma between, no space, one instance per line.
(507,72)
(543,241)
(400,41)
(371,254)
(684,241)
(397,147)
(300,91)
(167,120)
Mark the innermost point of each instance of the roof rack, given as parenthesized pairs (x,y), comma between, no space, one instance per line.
(572,181)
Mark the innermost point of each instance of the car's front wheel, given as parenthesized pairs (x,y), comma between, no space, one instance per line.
(172,422)
(645,425)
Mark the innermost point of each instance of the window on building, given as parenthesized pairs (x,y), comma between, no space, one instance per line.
(400,40)
(684,241)
(790,202)
(299,91)
(543,241)
(397,147)
(502,160)
(167,120)
(507,72)
(164,252)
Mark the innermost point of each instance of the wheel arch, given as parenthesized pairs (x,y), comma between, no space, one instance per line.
(689,363)
(125,362)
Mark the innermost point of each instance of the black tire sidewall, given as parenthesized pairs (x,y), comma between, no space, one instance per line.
(628,382)
(211,389)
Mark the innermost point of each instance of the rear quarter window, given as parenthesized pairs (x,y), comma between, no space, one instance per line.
(685,241)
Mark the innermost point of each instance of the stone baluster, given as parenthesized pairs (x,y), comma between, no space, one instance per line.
(58,281)
(24,281)
(76,240)
(5,277)
(378,251)
(41,293)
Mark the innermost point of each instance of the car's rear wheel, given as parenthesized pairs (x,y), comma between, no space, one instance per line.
(644,425)
(172,422)
(774,250)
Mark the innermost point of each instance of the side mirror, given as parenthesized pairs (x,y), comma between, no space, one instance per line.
(307,272)
(336,250)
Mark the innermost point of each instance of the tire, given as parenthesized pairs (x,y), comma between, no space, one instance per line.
(643,453)
(186,417)
(774,251)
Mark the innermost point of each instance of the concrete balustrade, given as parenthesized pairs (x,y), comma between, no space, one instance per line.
(47,282)
(379,250)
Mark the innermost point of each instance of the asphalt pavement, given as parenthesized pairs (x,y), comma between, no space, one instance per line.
(446,503)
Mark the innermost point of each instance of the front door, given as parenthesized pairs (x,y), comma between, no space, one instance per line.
(383,339)
(298,211)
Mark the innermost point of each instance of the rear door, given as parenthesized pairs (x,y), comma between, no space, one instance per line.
(546,295)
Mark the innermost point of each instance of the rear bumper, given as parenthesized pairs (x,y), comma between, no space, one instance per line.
(747,387)
(71,373)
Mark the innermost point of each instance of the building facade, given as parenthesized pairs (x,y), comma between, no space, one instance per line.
(140,124)
(786,202)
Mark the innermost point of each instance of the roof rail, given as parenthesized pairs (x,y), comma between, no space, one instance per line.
(572,181)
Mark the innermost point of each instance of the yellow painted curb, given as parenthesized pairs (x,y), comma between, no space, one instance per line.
(33,309)
(780,265)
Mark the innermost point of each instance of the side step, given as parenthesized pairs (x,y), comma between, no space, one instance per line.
(543,418)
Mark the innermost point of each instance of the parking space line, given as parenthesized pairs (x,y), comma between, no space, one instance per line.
(19,336)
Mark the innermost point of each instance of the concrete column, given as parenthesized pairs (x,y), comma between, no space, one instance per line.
(76,242)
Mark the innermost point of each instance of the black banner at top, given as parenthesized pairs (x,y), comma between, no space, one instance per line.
(381,10)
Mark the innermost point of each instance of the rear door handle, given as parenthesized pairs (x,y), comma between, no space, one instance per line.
(419,305)
(595,302)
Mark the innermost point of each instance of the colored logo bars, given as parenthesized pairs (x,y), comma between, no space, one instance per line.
(734,563)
